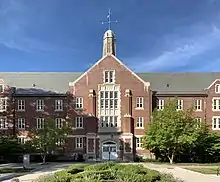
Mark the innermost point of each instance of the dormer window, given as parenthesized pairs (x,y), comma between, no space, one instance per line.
(217,88)
(109,76)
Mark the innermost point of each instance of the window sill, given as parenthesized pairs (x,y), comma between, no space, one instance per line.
(215,128)
(199,110)
(139,128)
(139,108)
(21,129)
(21,110)
(139,148)
(79,128)
(216,110)
(3,128)
(40,110)
(58,110)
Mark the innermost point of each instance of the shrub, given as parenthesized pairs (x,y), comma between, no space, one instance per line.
(100,166)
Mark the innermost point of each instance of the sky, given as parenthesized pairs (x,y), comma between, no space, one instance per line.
(152,35)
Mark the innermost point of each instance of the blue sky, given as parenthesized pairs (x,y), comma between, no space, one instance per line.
(152,35)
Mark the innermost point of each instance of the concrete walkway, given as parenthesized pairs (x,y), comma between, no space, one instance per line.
(183,174)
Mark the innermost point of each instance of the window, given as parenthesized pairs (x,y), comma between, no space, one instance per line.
(1,88)
(109,121)
(79,142)
(138,142)
(179,104)
(3,123)
(217,88)
(21,123)
(60,142)
(216,122)
(79,103)
(79,122)
(160,104)
(109,76)
(140,122)
(40,105)
(59,122)
(198,105)
(40,123)
(3,104)
(58,105)
(139,102)
(199,121)
(216,104)
(109,99)
(21,105)
(21,140)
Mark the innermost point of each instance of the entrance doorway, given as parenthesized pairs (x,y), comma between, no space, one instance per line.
(109,151)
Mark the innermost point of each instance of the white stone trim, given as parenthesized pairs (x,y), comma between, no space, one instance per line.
(217,123)
(215,98)
(120,62)
(110,87)
(212,83)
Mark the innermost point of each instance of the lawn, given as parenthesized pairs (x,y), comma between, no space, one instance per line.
(106,172)
(210,170)
(14,170)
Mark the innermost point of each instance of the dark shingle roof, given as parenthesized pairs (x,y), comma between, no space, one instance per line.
(59,81)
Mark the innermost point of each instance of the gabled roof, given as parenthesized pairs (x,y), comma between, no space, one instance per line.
(58,81)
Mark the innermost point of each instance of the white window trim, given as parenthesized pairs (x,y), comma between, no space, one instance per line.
(79,102)
(198,102)
(59,107)
(59,122)
(113,75)
(21,105)
(6,123)
(217,90)
(217,123)
(41,120)
(217,104)
(138,136)
(21,124)
(42,104)
(81,143)
(138,101)
(60,142)
(23,138)
(1,104)
(179,103)
(141,119)
(77,120)
(160,104)
(107,112)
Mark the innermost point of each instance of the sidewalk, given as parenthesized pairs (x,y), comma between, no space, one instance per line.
(184,174)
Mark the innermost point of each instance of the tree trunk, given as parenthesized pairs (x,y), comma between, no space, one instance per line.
(171,158)
(44,158)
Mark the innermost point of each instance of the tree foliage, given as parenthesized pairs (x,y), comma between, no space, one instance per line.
(171,130)
(45,140)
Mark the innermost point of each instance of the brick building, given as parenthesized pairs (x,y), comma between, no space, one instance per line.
(112,104)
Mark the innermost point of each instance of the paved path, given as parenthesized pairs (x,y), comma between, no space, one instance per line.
(183,174)
(48,169)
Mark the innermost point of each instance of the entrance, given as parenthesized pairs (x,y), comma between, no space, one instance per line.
(109,151)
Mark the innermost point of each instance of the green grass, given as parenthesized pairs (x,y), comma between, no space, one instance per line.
(14,170)
(212,170)
(187,164)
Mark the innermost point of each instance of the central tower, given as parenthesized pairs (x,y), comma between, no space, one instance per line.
(109,41)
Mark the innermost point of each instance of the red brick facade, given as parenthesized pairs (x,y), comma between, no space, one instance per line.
(109,105)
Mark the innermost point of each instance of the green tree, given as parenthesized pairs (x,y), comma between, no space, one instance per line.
(171,130)
(45,140)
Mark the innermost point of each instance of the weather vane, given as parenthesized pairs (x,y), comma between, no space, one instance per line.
(109,20)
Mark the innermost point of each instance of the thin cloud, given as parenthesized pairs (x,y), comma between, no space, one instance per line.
(184,49)
(15,19)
